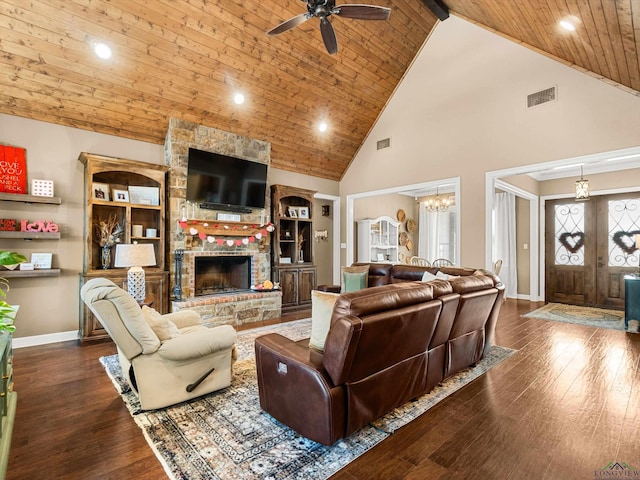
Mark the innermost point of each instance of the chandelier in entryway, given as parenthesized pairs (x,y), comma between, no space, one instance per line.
(438,203)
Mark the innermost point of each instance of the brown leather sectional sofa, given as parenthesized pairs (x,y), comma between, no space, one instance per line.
(386,345)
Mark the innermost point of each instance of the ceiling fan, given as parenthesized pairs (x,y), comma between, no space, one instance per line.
(323,9)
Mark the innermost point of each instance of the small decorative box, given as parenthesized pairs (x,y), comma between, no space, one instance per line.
(42,188)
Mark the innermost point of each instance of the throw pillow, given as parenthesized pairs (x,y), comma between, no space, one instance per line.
(444,276)
(354,281)
(163,328)
(427,276)
(354,269)
(321,310)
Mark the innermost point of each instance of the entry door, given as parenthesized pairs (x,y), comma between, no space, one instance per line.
(589,248)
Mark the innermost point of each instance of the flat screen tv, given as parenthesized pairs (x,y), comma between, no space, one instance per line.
(221,182)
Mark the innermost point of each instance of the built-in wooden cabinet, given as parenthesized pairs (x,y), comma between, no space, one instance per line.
(292,245)
(133,193)
(378,240)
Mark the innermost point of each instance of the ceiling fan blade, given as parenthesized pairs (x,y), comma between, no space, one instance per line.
(328,36)
(363,12)
(288,24)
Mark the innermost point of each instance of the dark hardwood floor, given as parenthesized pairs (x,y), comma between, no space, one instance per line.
(563,407)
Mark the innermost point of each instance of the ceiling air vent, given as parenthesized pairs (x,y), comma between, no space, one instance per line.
(543,96)
(384,143)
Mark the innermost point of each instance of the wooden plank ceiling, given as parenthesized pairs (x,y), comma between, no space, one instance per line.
(186,59)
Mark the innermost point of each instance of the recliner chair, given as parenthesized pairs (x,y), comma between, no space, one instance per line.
(194,360)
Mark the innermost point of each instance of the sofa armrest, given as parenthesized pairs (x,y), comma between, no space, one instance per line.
(198,343)
(295,389)
(184,318)
(329,288)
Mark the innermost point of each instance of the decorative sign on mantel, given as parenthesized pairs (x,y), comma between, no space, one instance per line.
(13,169)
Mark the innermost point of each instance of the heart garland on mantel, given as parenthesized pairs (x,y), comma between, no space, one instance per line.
(195,227)
(626,241)
(577,237)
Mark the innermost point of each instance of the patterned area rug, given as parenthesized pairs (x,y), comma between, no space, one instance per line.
(593,317)
(225,435)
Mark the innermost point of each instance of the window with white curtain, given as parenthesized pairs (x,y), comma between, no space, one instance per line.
(437,236)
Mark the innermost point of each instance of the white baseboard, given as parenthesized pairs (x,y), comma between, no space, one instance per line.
(44,339)
(522,296)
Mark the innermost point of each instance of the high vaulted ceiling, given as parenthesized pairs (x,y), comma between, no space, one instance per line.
(186,59)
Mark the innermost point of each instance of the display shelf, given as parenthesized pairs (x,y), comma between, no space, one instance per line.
(293,241)
(31,235)
(41,272)
(18,197)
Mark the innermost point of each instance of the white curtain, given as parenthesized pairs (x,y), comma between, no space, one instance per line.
(504,241)
(428,233)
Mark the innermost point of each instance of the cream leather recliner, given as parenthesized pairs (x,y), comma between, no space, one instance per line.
(192,361)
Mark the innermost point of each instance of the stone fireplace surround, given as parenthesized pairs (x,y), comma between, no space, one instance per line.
(218,309)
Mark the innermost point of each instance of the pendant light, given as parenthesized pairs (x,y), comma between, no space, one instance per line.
(582,188)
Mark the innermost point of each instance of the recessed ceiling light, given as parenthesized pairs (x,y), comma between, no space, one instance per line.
(323,126)
(238,98)
(102,50)
(567,25)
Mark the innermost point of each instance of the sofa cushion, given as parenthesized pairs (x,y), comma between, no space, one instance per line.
(353,269)
(409,273)
(321,309)
(162,327)
(379,273)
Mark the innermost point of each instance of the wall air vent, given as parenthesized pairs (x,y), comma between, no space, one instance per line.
(384,143)
(543,96)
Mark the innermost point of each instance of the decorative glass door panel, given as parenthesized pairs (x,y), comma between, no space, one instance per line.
(590,246)
(569,234)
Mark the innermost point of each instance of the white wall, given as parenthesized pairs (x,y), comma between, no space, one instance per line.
(461,111)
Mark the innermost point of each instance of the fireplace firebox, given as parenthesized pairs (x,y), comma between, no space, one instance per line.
(222,274)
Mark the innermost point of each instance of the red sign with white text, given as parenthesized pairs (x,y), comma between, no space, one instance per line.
(13,169)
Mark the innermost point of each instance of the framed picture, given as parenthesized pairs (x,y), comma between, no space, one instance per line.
(41,260)
(293,212)
(120,195)
(100,191)
(303,212)
(144,195)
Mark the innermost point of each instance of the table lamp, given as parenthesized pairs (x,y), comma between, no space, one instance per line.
(136,256)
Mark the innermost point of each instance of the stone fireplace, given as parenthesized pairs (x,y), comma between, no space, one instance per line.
(214,306)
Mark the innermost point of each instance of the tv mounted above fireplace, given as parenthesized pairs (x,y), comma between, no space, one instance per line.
(221,182)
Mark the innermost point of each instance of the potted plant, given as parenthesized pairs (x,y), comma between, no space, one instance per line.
(8,312)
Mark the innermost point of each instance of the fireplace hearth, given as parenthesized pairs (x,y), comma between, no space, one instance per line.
(222,274)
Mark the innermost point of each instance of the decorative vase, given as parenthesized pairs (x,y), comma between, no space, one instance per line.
(106,257)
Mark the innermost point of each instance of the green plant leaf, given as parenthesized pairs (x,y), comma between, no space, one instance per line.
(11,258)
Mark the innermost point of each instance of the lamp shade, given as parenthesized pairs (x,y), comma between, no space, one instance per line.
(134,255)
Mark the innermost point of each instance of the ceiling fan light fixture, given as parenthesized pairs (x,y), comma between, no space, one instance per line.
(322,126)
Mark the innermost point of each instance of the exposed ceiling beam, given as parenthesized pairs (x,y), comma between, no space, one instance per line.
(438,8)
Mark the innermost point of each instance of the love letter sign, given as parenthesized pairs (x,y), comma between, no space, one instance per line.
(13,169)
